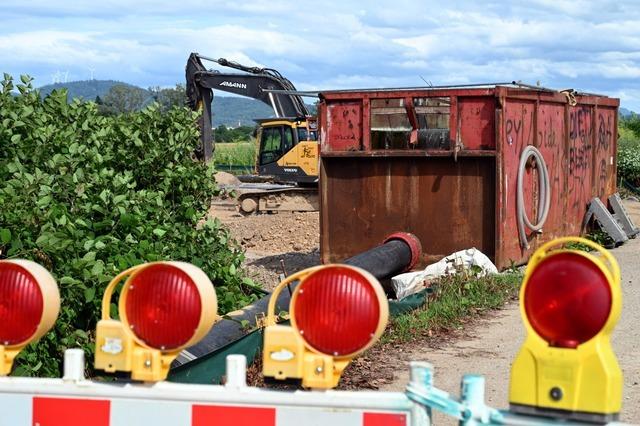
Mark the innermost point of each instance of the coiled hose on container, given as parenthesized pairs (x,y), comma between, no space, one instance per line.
(543,201)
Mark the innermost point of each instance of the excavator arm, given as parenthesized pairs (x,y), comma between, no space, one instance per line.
(253,82)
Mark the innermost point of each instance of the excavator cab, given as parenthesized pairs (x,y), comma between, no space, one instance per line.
(288,150)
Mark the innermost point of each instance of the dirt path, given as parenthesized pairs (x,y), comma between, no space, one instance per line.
(492,344)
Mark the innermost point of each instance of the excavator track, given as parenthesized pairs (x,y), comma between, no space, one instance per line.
(256,198)
(284,200)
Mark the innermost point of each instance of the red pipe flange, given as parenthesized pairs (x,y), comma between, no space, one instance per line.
(414,244)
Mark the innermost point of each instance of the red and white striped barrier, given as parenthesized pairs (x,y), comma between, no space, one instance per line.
(74,401)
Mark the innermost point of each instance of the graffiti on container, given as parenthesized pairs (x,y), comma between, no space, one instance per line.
(548,135)
(580,124)
(579,158)
(580,154)
(604,131)
(580,132)
(514,131)
(602,178)
(343,122)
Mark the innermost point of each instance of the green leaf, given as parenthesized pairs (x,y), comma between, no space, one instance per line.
(159,232)
(67,280)
(89,256)
(119,198)
(44,201)
(100,245)
(43,240)
(5,235)
(16,138)
(98,268)
(27,111)
(89,294)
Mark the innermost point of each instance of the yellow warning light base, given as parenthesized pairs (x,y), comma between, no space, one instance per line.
(582,383)
(114,347)
(50,310)
(119,349)
(285,354)
(7,356)
(282,353)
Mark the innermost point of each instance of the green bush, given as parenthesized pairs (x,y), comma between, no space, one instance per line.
(629,150)
(629,165)
(87,196)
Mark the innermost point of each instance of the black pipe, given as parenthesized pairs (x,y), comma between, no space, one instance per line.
(398,253)
(232,326)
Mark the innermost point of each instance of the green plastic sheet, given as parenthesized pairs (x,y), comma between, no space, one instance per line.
(210,369)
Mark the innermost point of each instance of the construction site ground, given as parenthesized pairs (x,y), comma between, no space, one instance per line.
(484,345)
(273,240)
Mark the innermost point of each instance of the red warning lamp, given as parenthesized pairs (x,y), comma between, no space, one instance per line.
(337,312)
(29,306)
(163,308)
(568,299)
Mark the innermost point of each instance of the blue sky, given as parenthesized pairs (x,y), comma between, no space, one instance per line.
(589,45)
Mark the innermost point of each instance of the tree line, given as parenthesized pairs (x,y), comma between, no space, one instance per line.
(123,98)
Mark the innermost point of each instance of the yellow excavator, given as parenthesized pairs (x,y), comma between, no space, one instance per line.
(287,142)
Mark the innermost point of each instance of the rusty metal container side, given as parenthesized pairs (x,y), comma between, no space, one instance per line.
(366,198)
(578,144)
(443,164)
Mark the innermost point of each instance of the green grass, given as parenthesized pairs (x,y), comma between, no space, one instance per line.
(598,236)
(455,298)
(235,154)
(627,139)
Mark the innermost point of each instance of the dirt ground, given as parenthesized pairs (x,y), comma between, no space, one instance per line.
(274,241)
(485,345)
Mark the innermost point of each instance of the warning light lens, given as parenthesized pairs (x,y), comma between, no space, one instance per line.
(163,306)
(567,299)
(21,304)
(336,311)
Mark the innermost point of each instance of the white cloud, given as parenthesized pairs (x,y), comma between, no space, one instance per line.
(336,44)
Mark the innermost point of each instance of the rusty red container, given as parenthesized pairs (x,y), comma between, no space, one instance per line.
(442,163)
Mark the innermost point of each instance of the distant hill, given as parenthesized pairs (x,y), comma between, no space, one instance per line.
(227,110)
(626,113)
(85,89)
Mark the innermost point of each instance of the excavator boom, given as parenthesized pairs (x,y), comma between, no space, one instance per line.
(254,83)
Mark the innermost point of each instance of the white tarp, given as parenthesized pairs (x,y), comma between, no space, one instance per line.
(412,282)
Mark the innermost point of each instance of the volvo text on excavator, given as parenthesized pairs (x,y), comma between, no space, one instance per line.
(287,142)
